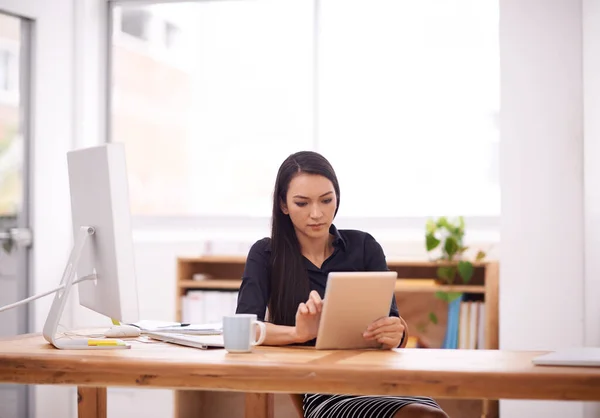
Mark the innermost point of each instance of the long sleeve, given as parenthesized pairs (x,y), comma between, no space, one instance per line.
(255,289)
(375,261)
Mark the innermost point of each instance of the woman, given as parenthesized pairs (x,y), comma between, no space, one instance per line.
(288,273)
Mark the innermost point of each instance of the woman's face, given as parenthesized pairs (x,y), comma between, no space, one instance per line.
(311,204)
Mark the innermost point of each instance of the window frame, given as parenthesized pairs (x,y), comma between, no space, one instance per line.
(155,46)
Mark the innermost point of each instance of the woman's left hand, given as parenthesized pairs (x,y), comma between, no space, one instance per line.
(387,331)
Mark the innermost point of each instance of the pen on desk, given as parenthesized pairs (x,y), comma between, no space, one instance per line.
(174,326)
(94,343)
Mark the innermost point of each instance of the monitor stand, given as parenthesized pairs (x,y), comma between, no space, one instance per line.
(60,300)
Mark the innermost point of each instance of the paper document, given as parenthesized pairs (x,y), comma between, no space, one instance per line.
(180,328)
(195,341)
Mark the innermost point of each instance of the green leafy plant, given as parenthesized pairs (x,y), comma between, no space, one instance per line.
(446,236)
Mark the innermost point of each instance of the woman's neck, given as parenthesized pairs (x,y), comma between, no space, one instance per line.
(316,250)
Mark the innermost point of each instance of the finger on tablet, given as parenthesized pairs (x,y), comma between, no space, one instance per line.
(316,299)
(386,320)
(312,308)
(370,336)
(315,295)
(302,309)
(387,329)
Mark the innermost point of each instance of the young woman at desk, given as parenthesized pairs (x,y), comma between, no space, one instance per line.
(288,273)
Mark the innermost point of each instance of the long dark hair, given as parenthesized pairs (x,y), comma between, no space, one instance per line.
(289,278)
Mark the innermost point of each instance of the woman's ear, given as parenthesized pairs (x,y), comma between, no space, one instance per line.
(283,207)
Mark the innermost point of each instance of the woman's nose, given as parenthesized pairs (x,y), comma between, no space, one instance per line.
(315,212)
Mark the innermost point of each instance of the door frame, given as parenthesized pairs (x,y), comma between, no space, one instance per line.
(52,129)
(21,220)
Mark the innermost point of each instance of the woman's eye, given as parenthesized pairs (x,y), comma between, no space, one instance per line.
(327,200)
(300,204)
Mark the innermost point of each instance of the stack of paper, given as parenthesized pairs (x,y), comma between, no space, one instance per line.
(179,328)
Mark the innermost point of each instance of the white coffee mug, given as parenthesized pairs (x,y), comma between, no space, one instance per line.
(239,332)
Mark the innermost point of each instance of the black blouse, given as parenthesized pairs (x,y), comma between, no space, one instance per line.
(353,251)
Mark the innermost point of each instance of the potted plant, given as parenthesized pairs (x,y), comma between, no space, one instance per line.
(446,237)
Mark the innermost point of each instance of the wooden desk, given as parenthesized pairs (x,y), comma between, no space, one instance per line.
(485,374)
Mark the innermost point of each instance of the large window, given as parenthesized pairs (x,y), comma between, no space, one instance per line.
(9,73)
(11,139)
(401,96)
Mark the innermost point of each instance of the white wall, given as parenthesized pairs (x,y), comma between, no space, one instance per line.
(591,74)
(591,100)
(542,264)
(52,137)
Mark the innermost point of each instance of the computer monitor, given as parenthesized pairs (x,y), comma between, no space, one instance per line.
(102,257)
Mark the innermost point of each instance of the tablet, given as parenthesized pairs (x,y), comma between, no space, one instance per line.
(353,300)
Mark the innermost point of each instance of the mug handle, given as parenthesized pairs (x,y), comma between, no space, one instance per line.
(263,333)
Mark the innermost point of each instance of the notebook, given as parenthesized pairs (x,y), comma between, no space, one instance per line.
(578,356)
(196,341)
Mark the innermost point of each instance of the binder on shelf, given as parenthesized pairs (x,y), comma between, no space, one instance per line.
(207,306)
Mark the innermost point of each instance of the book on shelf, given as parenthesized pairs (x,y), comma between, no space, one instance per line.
(466,324)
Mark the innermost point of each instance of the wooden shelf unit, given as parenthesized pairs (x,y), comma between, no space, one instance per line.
(402,285)
(415,291)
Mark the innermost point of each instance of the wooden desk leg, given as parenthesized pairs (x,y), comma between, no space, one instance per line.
(91,402)
(259,405)
(490,408)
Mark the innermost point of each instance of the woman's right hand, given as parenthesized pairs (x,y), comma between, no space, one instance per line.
(308,317)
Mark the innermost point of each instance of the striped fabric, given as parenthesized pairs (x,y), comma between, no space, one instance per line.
(345,406)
